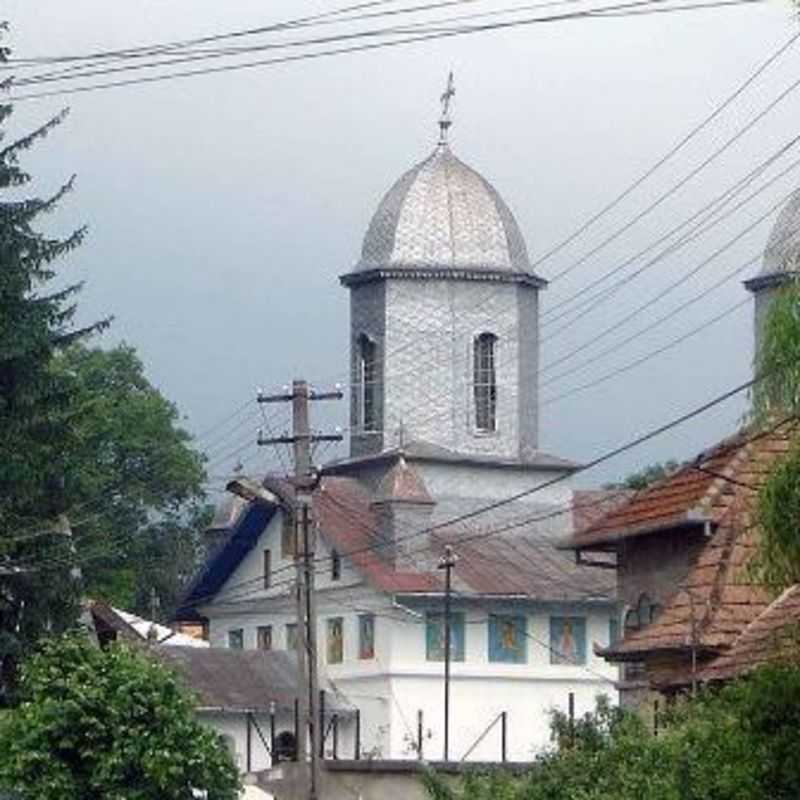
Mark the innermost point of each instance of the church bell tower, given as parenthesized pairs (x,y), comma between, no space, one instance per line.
(444,317)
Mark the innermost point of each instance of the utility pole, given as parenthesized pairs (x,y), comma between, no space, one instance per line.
(304,480)
(447,562)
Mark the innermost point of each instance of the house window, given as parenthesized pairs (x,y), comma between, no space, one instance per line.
(236,639)
(567,640)
(508,639)
(287,536)
(613,630)
(368,382)
(291,636)
(434,636)
(335,640)
(336,565)
(267,569)
(366,636)
(264,637)
(485,382)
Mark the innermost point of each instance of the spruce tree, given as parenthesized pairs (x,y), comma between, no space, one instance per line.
(37,593)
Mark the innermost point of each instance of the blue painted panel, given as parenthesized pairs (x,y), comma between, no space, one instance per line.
(567,640)
(434,636)
(508,638)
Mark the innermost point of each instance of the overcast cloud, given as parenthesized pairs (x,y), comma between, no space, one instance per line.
(223,209)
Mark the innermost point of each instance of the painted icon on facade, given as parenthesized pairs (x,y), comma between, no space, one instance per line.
(366,636)
(335,640)
(434,636)
(508,638)
(567,640)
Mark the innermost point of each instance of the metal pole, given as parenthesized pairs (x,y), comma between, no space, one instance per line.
(572,719)
(297,729)
(655,718)
(322,732)
(249,759)
(272,733)
(314,730)
(419,734)
(503,734)
(447,563)
(335,723)
(357,749)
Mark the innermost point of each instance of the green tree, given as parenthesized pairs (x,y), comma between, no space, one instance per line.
(647,476)
(36,323)
(95,470)
(134,471)
(109,723)
(777,397)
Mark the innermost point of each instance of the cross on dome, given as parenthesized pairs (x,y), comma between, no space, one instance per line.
(444,120)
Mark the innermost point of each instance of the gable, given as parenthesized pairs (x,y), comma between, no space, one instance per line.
(227,558)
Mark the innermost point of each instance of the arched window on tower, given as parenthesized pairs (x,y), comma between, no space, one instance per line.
(368,382)
(484,380)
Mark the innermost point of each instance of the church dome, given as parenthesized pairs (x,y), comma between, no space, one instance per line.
(782,253)
(441,214)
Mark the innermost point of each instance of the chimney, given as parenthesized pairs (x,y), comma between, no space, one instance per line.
(403,508)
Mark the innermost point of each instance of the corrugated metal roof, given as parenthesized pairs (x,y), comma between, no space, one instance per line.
(235,680)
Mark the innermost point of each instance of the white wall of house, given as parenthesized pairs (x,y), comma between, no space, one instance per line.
(232,725)
(391,688)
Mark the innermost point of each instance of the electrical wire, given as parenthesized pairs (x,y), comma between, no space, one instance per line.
(595,13)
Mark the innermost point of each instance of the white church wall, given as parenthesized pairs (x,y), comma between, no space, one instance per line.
(246,581)
(491,483)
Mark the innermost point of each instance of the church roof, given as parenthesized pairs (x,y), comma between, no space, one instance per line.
(403,484)
(782,253)
(443,215)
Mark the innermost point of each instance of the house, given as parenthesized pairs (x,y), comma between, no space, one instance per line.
(690,611)
(681,548)
(248,697)
(444,342)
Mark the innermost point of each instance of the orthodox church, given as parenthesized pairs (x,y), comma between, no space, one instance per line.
(444,339)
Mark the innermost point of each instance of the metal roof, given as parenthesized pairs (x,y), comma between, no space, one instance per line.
(443,214)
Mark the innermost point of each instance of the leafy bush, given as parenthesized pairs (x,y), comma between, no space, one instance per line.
(111,723)
(737,743)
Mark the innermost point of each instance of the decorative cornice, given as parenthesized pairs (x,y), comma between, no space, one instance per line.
(417,273)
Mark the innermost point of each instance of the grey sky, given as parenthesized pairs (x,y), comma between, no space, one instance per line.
(223,208)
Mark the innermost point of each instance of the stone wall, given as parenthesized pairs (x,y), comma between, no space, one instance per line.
(425,330)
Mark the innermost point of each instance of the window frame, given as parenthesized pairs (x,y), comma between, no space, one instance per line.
(235,633)
(336,565)
(484,382)
(330,656)
(363,654)
(289,631)
(260,630)
(288,536)
(267,567)
(367,366)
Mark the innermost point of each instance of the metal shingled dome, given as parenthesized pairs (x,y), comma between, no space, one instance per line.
(443,214)
(782,253)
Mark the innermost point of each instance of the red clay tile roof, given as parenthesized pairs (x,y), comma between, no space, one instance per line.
(589,506)
(717,600)
(771,636)
(685,496)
